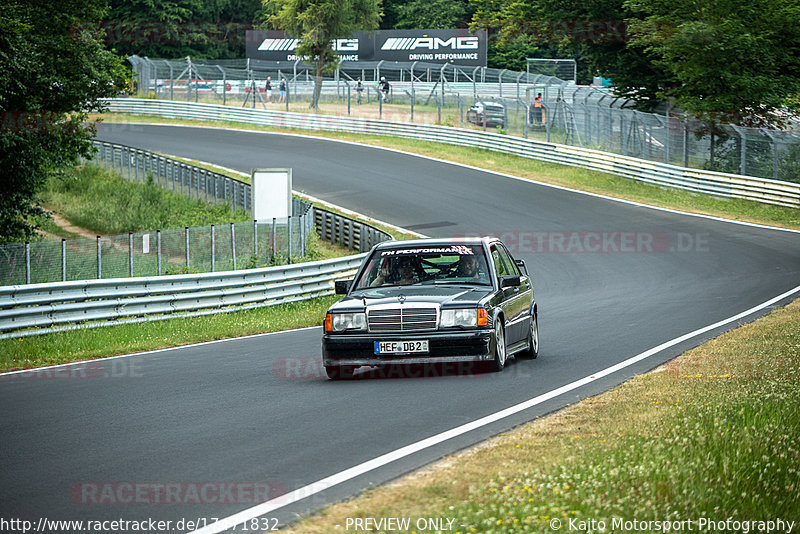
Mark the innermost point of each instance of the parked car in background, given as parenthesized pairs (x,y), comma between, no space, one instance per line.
(492,113)
(463,301)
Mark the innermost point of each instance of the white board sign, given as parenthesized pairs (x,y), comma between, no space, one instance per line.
(272,193)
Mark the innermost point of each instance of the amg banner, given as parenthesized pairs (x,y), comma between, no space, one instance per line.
(455,46)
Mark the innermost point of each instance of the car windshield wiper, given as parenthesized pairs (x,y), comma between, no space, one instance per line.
(460,283)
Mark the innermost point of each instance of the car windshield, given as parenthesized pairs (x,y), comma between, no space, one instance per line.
(426,265)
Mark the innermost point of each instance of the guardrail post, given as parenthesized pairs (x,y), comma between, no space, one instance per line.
(213,247)
(63,260)
(183,177)
(99,261)
(27,263)
(350,234)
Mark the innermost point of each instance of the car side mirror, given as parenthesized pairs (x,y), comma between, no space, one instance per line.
(341,286)
(509,281)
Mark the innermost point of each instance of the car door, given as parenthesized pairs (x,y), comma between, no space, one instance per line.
(508,301)
(518,298)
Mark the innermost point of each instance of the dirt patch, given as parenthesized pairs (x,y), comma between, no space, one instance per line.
(64,224)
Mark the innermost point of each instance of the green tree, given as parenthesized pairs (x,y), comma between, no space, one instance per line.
(53,71)
(595,32)
(317,23)
(432,14)
(727,61)
(721,60)
(178,28)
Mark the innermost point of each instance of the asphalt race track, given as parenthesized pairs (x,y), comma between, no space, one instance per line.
(205,431)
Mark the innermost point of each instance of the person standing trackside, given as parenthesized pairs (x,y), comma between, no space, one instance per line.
(537,109)
(282,89)
(359,90)
(268,87)
(384,88)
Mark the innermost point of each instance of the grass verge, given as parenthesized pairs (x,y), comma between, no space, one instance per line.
(571,177)
(102,201)
(95,198)
(712,434)
(84,344)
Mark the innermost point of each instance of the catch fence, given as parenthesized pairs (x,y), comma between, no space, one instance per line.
(581,116)
(211,248)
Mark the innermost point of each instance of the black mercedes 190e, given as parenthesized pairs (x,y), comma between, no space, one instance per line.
(432,301)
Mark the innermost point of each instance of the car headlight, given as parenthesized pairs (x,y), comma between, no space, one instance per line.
(339,322)
(459,317)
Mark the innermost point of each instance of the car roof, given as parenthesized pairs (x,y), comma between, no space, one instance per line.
(437,241)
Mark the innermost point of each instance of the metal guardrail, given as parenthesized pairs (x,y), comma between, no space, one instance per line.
(134,164)
(26,309)
(709,182)
(353,234)
(53,307)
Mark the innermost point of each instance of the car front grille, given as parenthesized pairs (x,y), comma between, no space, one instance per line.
(402,319)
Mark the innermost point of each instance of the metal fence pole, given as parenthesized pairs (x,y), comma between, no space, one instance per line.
(186,233)
(158,250)
(213,247)
(99,260)
(255,238)
(233,245)
(686,144)
(130,252)
(63,260)
(274,235)
(302,227)
(289,239)
(27,263)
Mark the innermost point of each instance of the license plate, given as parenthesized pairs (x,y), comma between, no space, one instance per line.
(401,347)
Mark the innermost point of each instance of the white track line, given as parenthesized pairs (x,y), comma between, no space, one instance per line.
(348,474)
(155,351)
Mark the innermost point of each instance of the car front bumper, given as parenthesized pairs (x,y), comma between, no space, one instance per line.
(443,347)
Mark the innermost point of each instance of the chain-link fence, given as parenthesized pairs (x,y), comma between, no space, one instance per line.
(200,249)
(192,249)
(585,116)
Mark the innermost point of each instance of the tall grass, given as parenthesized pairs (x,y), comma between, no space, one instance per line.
(711,436)
(103,202)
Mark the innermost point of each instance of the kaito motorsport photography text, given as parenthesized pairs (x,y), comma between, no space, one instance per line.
(703,524)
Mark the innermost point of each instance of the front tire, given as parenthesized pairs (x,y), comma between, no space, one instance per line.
(499,361)
(533,339)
